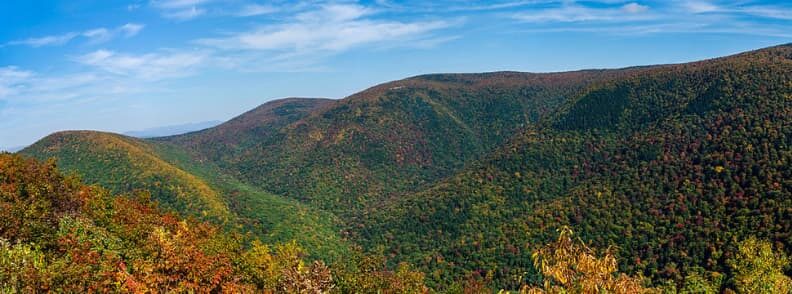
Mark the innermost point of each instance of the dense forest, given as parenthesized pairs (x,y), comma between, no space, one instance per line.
(59,235)
(672,167)
(674,178)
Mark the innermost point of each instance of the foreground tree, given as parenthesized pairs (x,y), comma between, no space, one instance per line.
(568,266)
(758,269)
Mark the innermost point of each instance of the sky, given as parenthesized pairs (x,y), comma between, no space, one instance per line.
(121,66)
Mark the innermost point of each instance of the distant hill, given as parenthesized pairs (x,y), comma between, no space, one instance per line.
(465,175)
(173,130)
(124,165)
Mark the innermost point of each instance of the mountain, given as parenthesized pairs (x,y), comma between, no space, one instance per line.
(671,167)
(465,176)
(343,155)
(172,130)
(124,165)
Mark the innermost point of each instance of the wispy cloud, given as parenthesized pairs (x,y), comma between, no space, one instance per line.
(737,8)
(131,29)
(180,9)
(27,96)
(12,80)
(185,14)
(634,8)
(133,7)
(422,6)
(46,40)
(25,86)
(774,12)
(178,3)
(655,17)
(255,9)
(573,12)
(330,28)
(96,35)
(150,66)
(700,6)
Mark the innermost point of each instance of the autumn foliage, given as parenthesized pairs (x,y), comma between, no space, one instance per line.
(568,266)
(59,235)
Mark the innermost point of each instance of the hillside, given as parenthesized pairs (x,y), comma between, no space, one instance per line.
(390,139)
(58,235)
(672,167)
(123,165)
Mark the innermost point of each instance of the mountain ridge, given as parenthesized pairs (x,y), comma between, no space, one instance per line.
(463,174)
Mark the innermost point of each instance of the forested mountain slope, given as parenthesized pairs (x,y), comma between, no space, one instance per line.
(178,183)
(125,164)
(672,166)
(58,235)
(237,136)
(386,140)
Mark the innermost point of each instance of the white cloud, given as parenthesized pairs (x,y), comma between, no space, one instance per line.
(571,12)
(334,13)
(151,66)
(634,8)
(255,9)
(96,35)
(180,9)
(184,14)
(783,13)
(177,3)
(45,41)
(131,29)
(700,6)
(423,6)
(331,28)
(23,86)
(12,80)
(679,17)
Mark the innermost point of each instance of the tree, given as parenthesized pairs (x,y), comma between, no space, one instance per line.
(568,266)
(757,269)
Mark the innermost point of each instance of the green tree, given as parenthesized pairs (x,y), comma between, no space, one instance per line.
(699,281)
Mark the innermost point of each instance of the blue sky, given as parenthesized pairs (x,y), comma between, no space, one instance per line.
(135,64)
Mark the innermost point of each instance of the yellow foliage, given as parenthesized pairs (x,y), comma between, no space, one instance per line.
(316,135)
(568,266)
(758,269)
(285,271)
